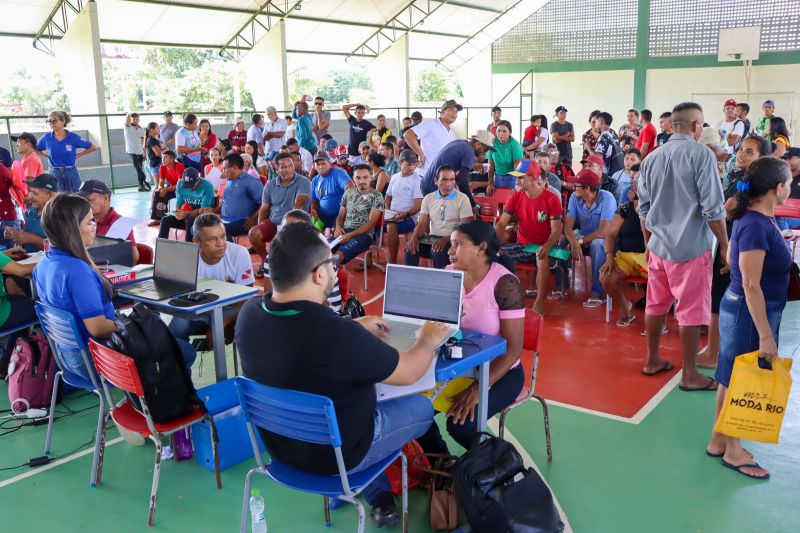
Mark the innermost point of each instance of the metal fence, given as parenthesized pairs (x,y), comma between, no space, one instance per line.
(111,164)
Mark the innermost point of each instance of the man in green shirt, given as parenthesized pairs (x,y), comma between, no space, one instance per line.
(195,197)
(359,213)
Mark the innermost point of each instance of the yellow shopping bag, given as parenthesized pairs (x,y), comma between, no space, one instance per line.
(756,399)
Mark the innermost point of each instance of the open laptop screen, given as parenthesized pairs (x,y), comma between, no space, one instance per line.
(176,261)
(424,293)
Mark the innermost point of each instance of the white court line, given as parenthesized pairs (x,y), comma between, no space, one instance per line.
(54,464)
(640,415)
(374,298)
(494,425)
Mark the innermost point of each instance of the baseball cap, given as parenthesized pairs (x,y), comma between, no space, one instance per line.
(451,103)
(416,115)
(90,186)
(320,155)
(25,137)
(331,144)
(485,138)
(270,156)
(167,113)
(527,167)
(730,101)
(44,181)
(791,152)
(561,108)
(362,144)
(494,108)
(409,156)
(191,176)
(594,158)
(768,101)
(588,178)
(341,151)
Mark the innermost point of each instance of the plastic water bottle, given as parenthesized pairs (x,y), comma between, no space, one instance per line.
(257,512)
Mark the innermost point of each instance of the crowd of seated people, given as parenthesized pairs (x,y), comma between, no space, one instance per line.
(310,203)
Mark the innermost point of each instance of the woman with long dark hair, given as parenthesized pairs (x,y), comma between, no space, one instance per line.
(751,309)
(751,149)
(208,140)
(380,178)
(779,135)
(493,304)
(66,278)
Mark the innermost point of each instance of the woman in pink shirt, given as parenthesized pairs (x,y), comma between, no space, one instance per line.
(493,304)
(208,140)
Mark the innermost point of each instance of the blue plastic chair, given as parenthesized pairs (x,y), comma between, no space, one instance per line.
(308,418)
(61,329)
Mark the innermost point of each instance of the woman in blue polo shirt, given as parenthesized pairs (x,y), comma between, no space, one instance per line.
(60,146)
(66,278)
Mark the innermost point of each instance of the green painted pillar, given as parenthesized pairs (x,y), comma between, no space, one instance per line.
(642,51)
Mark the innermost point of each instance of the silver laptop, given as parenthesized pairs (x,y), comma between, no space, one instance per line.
(175,272)
(414,295)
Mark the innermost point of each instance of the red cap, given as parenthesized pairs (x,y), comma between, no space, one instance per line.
(588,178)
(730,101)
(186,207)
(594,158)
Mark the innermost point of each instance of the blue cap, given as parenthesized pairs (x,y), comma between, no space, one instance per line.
(331,144)
(270,156)
(191,176)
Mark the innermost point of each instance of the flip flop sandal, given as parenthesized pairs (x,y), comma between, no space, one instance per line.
(666,368)
(664,331)
(593,303)
(738,468)
(718,455)
(555,295)
(531,293)
(626,322)
(710,386)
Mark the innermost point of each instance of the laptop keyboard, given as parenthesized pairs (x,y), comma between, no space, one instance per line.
(147,285)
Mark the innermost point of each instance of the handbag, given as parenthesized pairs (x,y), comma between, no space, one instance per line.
(353,308)
(794,283)
(443,506)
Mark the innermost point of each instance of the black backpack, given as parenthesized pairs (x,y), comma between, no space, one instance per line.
(499,494)
(167,383)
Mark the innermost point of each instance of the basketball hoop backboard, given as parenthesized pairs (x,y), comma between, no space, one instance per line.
(739,44)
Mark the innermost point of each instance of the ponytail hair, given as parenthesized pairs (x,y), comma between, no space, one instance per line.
(62,116)
(761,177)
(479,232)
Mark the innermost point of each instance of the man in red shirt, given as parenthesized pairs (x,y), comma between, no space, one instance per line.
(169,175)
(647,137)
(99,196)
(538,213)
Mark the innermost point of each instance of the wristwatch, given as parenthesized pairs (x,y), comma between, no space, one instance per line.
(580,241)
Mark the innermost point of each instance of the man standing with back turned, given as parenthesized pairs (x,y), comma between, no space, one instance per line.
(680,200)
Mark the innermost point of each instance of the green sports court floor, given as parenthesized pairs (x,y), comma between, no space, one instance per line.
(608,473)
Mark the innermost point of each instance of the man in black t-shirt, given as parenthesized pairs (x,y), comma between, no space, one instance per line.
(665,123)
(358,127)
(630,259)
(312,350)
(563,135)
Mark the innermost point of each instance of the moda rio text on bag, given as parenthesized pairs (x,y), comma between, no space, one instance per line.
(31,372)
(168,387)
(499,494)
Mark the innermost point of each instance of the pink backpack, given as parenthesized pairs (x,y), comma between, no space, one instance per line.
(31,372)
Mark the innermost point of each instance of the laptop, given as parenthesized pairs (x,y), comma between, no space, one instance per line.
(412,296)
(108,251)
(175,272)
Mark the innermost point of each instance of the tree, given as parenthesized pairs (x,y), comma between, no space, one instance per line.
(342,84)
(34,96)
(174,62)
(431,87)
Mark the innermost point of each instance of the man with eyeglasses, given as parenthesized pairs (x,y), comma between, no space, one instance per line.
(560,168)
(343,359)
(361,208)
(440,213)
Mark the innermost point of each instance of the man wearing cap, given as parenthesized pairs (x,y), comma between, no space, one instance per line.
(134,147)
(41,190)
(731,128)
(327,189)
(538,213)
(496,114)
(358,127)
(289,191)
(321,118)
(363,154)
(589,213)
(108,220)
(681,205)
(461,155)
(342,160)
(763,124)
(328,145)
(596,164)
(238,135)
(403,202)
(195,196)
(30,163)
(167,130)
(433,135)
(563,135)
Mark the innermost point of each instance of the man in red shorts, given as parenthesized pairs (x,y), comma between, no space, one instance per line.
(538,213)
(681,206)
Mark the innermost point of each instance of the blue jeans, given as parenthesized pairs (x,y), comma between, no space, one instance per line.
(738,333)
(7,243)
(183,327)
(407,225)
(354,246)
(440,259)
(189,163)
(596,251)
(397,421)
(505,181)
(787,223)
(234,229)
(69,180)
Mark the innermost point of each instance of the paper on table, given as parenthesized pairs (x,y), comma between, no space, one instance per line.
(121,228)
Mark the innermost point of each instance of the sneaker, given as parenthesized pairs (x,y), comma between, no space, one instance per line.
(166,453)
(593,302)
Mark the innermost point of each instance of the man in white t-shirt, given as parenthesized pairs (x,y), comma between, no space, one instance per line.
(220,260)
(403,202)
(134,147)
(731,129)
(433,135)
(274,130)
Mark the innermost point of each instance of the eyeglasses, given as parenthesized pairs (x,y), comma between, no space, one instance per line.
(333,260)
(52,120)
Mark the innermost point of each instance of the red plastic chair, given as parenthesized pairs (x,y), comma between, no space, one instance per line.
(488,205)
(631,279)
(374,250)
(145,254)
(120,371)
(344,284)
(501,196)
(532,344)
